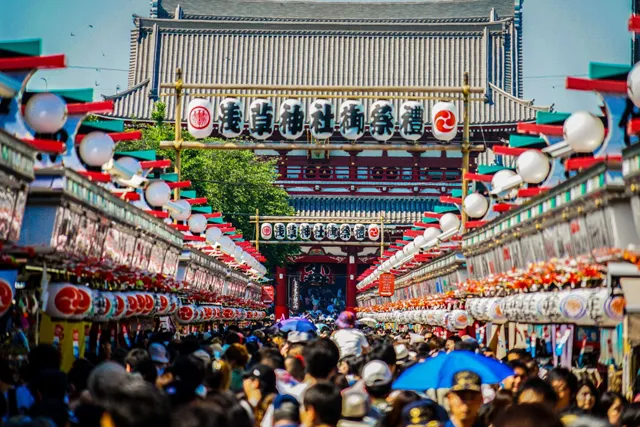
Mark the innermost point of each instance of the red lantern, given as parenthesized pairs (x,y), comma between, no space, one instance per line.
(63,301)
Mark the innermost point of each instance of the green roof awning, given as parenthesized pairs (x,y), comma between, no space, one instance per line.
(456,193)
(171,177)
(445,209)
(551,118)
(490,170)
(140,155)
(106,125)
(525,141)
(602,70)
(427,220)
(28,47)
(188,194)
(70,95)
(202,209)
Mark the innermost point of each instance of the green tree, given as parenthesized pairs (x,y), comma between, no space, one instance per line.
(235,183)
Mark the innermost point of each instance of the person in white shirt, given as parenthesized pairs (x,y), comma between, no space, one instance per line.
(350,341)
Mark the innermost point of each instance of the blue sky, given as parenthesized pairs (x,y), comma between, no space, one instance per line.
(560,38)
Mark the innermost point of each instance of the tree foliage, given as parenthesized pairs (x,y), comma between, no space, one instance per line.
(235,183)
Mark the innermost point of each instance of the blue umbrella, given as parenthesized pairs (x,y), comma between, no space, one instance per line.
(437,372)
(298,324)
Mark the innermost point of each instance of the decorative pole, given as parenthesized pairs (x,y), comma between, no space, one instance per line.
(381,233)
(257,230)
(177,143)
(466,91)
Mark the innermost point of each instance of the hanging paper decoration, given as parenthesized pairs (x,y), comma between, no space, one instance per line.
(444,121)
(7,289)
(352,120)
(199,120)
(186,313)
(345,232)
(319,231)
(279,231)
(359,232)
(411,121)
(261,119)
(61,300)
(292,231)
(230,121)
(103,307)
(266,231)
(321,119)
(332,231)
(305,231)
(291,119)
(381,120)
(373,231)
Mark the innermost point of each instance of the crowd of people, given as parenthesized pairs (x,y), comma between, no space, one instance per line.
(261,377)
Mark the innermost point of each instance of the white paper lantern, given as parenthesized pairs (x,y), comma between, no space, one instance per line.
(633,85)
(321,119)
(359,232)
(261,119)
(213,235)
(157,193)
(475,205)
(197,223)
(382,120)
(279,231)
(411,120)
(62,300)
(292,231)
(237,252)
(431,233)
(332,231)
(230,117)
(444,121)
(199,118)
(449,222)
(420,241)
(184,213)
(319,231)
(351,120)
(96,148)
(45,113)
(305,231)
(373,231)
(501,179)
(227,244)
(533,166)
(130,164)
(583,131)
(345,232)
(291,119)
(266,231)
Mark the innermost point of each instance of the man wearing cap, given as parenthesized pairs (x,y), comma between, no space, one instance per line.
(349,340)
(159,356)
(465,400)
(377,378)
(286,411)
(356,408)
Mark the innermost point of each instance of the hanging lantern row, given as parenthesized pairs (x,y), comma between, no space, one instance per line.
(450,319)
(192,313)
(331,231)
(322,119)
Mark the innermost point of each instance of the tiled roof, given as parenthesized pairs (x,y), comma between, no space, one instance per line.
(215,52)
(405,210)
(453,10)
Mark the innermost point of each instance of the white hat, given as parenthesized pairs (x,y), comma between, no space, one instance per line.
(376,373)
(402,353)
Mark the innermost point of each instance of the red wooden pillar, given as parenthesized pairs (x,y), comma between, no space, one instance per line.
(282,297)
(352,273)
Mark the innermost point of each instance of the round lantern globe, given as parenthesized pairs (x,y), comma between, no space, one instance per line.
(475,205)
(213,235)
(96,148)
(633,85)
(185,211)
(197,223)
(420,241)
(584,132)
(533,166)
(226,243)
(237,252)
(46,113)
(501,177)
(130,164)
(449,222)
(430,234)
(157,193)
